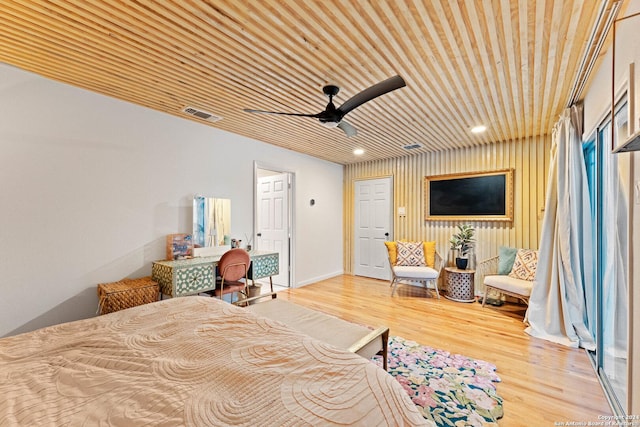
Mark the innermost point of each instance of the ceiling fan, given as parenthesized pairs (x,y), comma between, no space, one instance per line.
(332,116)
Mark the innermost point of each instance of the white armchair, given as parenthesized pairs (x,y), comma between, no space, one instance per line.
(422,274)
(486,272)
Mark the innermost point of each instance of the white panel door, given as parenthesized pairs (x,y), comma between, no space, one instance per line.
(272,233)
(373,224)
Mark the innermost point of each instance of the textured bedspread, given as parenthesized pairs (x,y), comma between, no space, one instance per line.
(190,361)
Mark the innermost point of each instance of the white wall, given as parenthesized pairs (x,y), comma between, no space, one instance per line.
(596,102)
(92,185)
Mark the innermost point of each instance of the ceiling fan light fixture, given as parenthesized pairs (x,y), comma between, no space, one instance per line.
(478,129)
(330,124)
(331,117)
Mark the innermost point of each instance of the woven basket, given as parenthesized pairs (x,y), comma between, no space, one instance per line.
(126,293)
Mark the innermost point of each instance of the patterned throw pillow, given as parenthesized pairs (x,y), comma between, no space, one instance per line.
(411,254)
(524,267)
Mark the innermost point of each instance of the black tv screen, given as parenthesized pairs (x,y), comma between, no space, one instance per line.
(469,196)
(474,195)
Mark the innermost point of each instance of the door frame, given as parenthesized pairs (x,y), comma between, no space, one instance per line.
(290,211)
(353,205)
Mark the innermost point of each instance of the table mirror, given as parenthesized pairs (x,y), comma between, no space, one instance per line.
(211,221)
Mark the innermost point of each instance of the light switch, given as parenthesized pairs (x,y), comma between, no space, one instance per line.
(402,211)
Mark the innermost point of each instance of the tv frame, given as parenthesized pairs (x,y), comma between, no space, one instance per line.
(508,199)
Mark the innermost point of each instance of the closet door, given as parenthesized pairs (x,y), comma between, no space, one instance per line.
(373,226)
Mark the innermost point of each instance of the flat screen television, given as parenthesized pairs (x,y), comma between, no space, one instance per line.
(481,196)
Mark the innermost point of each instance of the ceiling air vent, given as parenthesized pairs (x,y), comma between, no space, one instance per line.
(412,146)
(201,114)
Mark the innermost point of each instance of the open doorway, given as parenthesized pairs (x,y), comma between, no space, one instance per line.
(273,213)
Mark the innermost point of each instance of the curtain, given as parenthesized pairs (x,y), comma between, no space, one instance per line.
(556,309)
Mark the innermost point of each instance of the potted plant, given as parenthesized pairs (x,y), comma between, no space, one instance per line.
(462,241)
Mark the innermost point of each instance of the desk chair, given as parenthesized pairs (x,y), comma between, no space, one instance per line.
(233,266)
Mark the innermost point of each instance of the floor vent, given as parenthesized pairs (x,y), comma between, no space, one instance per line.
(202,114)
(412,146)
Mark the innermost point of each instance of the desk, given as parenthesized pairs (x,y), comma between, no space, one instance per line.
(460,284)
(191,276)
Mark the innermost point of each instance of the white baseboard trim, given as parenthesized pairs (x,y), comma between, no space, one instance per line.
(318,279)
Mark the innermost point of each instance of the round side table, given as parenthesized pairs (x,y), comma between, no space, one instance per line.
(460,284)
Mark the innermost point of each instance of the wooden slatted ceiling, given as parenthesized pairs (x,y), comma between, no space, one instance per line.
(506,64)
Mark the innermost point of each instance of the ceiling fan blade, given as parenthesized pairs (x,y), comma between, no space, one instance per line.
(372,92)
(348,129)
(247,110)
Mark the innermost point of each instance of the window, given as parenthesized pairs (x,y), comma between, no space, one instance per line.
(607,175)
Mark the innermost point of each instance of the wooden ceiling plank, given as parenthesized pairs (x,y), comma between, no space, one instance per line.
(223,58)
(491,96)
(526,25)
(124,67)
(513,42)
(225,55)
(349,118)
(236,90)
(541,44)
(291,79)
(130,90)
(344,74)
(54,72)
(380,104)
(371,46)
(497,46)
(569,60)
(441,63)
(478,79)
(558,36)
(458,64)
(403,19)
(325,18)
(198,84)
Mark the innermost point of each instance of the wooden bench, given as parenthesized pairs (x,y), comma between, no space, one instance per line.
(349,336)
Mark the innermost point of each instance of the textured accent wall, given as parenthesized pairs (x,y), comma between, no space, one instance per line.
(530,159)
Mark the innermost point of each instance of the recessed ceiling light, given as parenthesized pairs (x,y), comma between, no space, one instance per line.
(358,151)
(478,129)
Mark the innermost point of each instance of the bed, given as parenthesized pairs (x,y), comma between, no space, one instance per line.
(193,361)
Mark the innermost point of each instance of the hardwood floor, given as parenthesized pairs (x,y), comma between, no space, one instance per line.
(543,384)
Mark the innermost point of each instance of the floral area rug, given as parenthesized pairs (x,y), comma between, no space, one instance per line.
(449,389)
